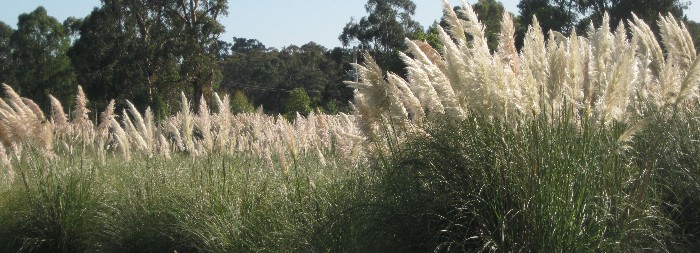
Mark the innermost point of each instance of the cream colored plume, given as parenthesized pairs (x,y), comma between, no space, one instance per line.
(607,75)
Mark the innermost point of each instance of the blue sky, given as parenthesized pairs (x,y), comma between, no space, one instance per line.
(276,23)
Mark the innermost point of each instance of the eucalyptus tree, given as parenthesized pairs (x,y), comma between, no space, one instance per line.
(243,45)
(150,50)
(383,31)
(121,54)
(39,57)
(5,53)
(196,28)
(554,15)
(565,15)
(490,13)
(620,10)
(694,30)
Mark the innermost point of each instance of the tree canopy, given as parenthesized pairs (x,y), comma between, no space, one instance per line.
(386,26)
(268,75)
(5,53)
(647,10)
(565,15)
(383,31)
(149,50)
(38,57)
(555,15)
(491,13)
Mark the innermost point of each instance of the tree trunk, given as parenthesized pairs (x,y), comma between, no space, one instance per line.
(197,89)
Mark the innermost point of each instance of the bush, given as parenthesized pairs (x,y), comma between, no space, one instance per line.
(298,102)
(240,104)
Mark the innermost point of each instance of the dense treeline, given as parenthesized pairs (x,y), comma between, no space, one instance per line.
(148,51)
(268,76)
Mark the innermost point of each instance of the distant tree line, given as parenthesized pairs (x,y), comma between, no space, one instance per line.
(269,77)
(148,51)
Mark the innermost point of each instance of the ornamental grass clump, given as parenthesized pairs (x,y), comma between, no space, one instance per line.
(480,184)
(218,203)
(535,150)
(23,123)
(607,75)
(669,142)
(133,133)
(54,206)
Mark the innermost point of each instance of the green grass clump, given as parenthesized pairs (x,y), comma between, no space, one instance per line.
(217,203)
(54,206)
(482,185)
(671,143)
(477,184)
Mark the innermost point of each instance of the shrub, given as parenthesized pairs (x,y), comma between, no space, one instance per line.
(298,102)
(240,104)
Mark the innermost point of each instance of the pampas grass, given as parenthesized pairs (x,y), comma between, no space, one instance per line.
(607,75)
(133,134)
(538,150)
(59,119)
(602,74)
(22,122)
(81,122)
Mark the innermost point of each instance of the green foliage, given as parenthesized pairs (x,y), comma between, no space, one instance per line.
(57,206)
(556,15)
(481,184)
(215,204)
(259,70)
(469,185)
(383,31)
(647,10)
(243,45)
(431,36)
(268,74)
(149,51)
(306,66)
(298,102)
(240,104)
(195,32)
(552,15)
(490,13)
(565,15)
(5,53)
(118,58)
(72,26)
(40,64)
(668,142)
(332,107)
(694,30)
